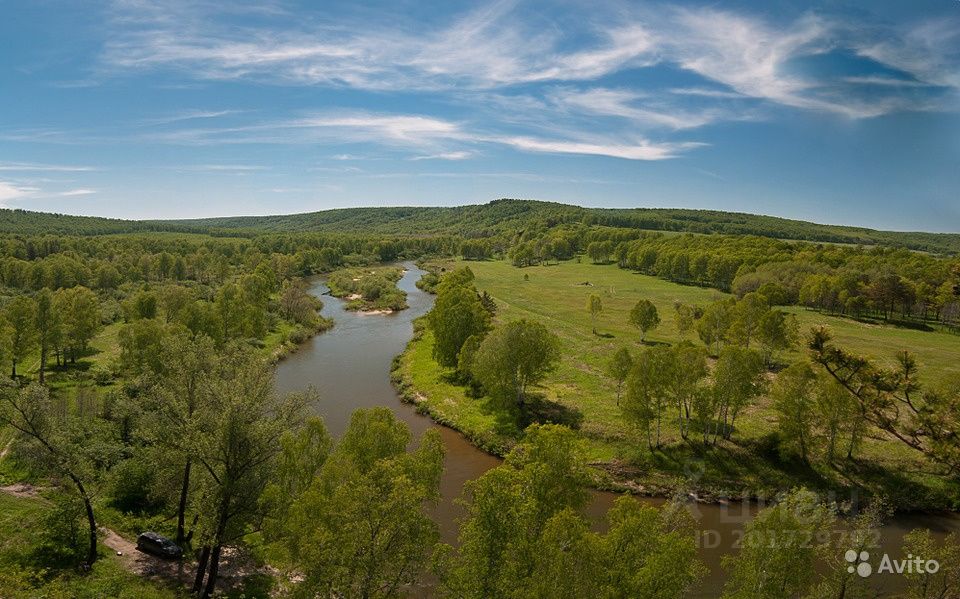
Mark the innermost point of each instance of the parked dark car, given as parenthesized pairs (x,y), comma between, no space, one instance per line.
(154,544)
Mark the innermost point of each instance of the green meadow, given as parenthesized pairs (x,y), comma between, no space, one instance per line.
(580,393)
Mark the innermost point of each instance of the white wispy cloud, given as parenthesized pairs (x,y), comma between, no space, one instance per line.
(12,191)
(507,43)
(33,167)
(75,192)
(189,115)
(637,150)
(444,139)
(453,155)
(635,106)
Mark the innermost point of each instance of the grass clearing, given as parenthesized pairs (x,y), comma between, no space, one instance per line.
(556,295)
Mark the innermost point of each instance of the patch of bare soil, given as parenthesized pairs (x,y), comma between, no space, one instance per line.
(22,490)
(235,565)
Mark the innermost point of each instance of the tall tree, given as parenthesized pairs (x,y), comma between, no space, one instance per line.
(647,390)
(80,313)
(595,307)
(30,412)
(21,317)
(619,367)
(360,528)
(238,454)
(457,315)
(758,572)
(737,381)
(515,357)
(49,325)
(793,398)
(644,316)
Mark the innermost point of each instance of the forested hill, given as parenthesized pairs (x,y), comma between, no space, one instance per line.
(500,215)
(485,220)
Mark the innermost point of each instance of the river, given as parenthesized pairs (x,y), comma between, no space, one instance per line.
(349,366)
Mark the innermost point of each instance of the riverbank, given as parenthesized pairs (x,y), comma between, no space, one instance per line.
(580,394)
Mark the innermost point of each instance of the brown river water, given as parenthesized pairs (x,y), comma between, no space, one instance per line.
(349,366)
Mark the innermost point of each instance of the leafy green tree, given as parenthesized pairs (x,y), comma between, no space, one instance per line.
(685,317)
(140,345)
(737,381)
(176,408)
(777,331)
(238,453)
(80,313)
(686,375)
(945,582)
(515,357)
(646,398)
(20,315)
(49,325)
(360,529)
(644,316)
(714,325)
(619,367)
(793,398)
(594,307)
(69,448)
(508,508)
(778,553)
(457,315)
(747,316)
(839,417)
(525,536)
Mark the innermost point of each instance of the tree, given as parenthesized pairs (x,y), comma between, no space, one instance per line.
(646,396)
(80,312)
(763,570)
(140,345)
(737,381)
(793,399)
(360,528)
(684,384)
(514,357)
(747,315)
(238,453)
(945,582)
(595,307)
(644,316)
(30,412)
(621,362)
(685,317)
(777,331)
(507,510)
(21,317)
(839,416)
(177,405)
(525,536)
(713,326)
(49,325)
(457,315)
(894,401)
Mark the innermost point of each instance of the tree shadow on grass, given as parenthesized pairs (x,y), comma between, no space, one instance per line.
(540,410)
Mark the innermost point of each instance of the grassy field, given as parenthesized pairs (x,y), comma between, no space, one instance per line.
(556,295)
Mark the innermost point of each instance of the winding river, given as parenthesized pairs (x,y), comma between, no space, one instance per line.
(349,365)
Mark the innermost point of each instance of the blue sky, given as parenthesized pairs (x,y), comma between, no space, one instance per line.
(840,112)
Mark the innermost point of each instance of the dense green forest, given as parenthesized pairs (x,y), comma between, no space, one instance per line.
(490,220)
